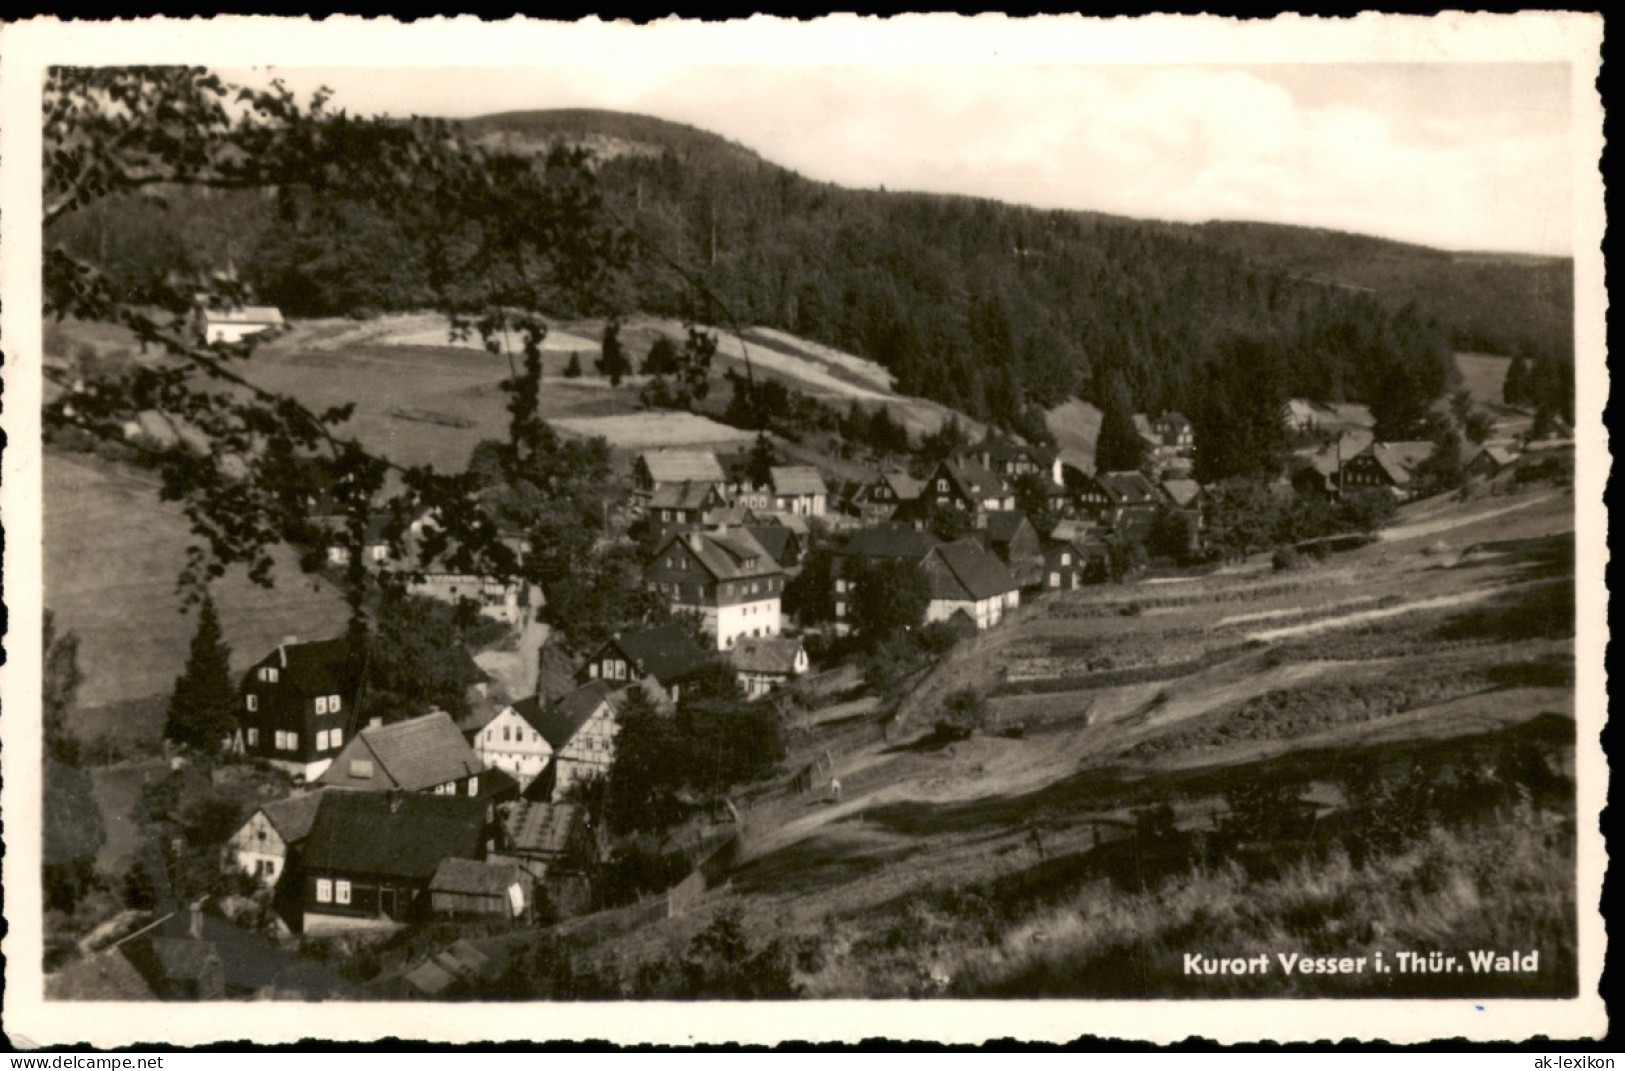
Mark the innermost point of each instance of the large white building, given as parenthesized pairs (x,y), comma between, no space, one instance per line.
(728,578)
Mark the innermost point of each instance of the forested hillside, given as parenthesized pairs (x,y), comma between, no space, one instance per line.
(993,309)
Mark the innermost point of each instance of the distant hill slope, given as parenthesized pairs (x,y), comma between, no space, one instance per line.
(1491,302)
(999,311)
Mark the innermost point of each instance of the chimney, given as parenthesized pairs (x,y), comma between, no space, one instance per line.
(194,920)
(376,722)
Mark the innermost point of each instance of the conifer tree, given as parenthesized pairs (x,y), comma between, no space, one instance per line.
(200,711)
(573,369)
(613,362)
(1119,448)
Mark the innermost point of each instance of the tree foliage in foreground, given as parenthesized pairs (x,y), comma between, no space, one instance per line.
(500,241)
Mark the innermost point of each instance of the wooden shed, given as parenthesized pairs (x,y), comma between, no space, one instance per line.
(464,888)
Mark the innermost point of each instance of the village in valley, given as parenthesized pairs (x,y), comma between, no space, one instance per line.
(779,670)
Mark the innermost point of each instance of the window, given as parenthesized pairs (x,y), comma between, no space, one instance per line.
(253,702)
(337,737)
(942,485)
(321,704)
(268,674)
(505,737)
(592,671)
(321,740)
(332,704)
(253,738)
(270,868)
(342,889)
(324,891)
(474,786)
(840,609)
(1066,558)
(840,586)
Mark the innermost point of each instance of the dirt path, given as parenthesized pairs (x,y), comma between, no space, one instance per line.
(1422,529)
(1366,616)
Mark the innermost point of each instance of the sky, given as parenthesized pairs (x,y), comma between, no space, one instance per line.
(1463,156)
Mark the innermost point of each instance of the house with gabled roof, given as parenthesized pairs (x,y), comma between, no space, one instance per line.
(370,856)
(667,653)
(540,836)
(728,579)
(1386,466)
(298,706)
(1491,460)
(879,499)
(684,503)
(799,489)
(231,326)
(1132,501)
(782,544)
(654,469)
(767,663)
(263,846)
(580,729)
(879,543)
(471,888)
(966,578)
(1011,459)
(963,484)
(1013,540)
(425,754)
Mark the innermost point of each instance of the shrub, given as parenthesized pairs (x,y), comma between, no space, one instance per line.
(1284,560)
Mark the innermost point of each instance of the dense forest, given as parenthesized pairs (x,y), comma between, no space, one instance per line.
(994,309)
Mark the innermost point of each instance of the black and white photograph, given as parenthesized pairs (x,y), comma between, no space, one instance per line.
(1060,527)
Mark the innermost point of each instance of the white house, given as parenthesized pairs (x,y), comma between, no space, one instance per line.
(234,325)
(260,848)
(728,578)
(764,664)
(514,742)
(965,577)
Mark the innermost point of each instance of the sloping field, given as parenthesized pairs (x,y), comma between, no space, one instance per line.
(112,553)
(1076,426)
(638,431)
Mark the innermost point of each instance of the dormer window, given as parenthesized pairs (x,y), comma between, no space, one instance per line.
(268,674)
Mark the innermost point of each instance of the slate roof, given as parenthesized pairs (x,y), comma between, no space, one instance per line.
(1324,460)
(797,480)
(685,495)
(473,878)
(539,827)
(1127,488)
(412,755)
(1003,525)
(675,466)
(773,538)
(794,522)
(765,654)
(401,835)
(666,652)
(733,556)
(559,721)
(963,570)
(1181,492)
(1501,455)
(975,480)
(292,817)
(314,668)
(1398,459)
(888,541)
(556,672)
(904,486)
